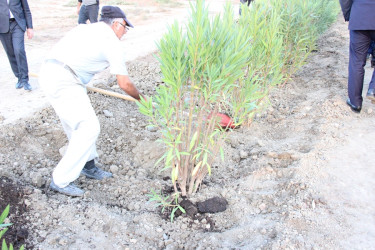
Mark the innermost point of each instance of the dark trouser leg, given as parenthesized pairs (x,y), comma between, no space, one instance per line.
(6,40)
(18,40)
(359,43)
(92,11)
(372,82)
(82,16)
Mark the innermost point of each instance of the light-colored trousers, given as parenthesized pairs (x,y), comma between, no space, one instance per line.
(69,99)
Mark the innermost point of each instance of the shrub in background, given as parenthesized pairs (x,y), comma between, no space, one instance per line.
(302,22)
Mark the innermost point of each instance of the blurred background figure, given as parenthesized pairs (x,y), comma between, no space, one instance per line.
(15,19)
(87,10)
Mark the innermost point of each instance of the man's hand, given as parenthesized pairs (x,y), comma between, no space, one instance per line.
(30,33)
(126,85)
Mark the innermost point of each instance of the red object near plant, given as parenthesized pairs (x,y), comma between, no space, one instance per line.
(225,121)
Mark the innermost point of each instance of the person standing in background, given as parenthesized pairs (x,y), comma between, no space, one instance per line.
(87,10)
(15,19)
(361,17)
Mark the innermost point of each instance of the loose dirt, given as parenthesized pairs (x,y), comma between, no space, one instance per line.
(301,176)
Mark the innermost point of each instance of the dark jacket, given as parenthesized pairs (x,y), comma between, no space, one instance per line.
(21,12)
(359,13)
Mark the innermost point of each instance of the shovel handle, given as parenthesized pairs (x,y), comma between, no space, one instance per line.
(101,91)
(111,93)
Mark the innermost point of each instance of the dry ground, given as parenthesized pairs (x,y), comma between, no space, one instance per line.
(301,176)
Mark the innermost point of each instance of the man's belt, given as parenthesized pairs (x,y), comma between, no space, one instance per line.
(65,66)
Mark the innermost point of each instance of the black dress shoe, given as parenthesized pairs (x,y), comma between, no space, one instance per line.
(93,172)
(19,85)
(27,86)
(371,94)
(354,108)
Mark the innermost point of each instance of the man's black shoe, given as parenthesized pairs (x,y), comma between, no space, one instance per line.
(71,189)
(371,94)
(354,108)
(19,85)
(27,86)
(93,172)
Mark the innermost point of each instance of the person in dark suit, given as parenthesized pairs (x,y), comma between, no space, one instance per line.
(15,19)
(361,17)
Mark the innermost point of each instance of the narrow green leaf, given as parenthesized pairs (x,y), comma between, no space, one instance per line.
(222,153)
(4,214)
(192,142)
(181,209)
(208,168)
(5,225)
(173,212)
(4,246)
(2,232)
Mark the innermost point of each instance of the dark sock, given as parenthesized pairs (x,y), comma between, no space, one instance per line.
(89,165)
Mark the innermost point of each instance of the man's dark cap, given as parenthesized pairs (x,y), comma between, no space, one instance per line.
(114,12)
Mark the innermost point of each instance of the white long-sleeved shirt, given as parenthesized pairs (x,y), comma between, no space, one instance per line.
(89,49)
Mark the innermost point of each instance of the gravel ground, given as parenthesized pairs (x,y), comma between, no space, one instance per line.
(299,177)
